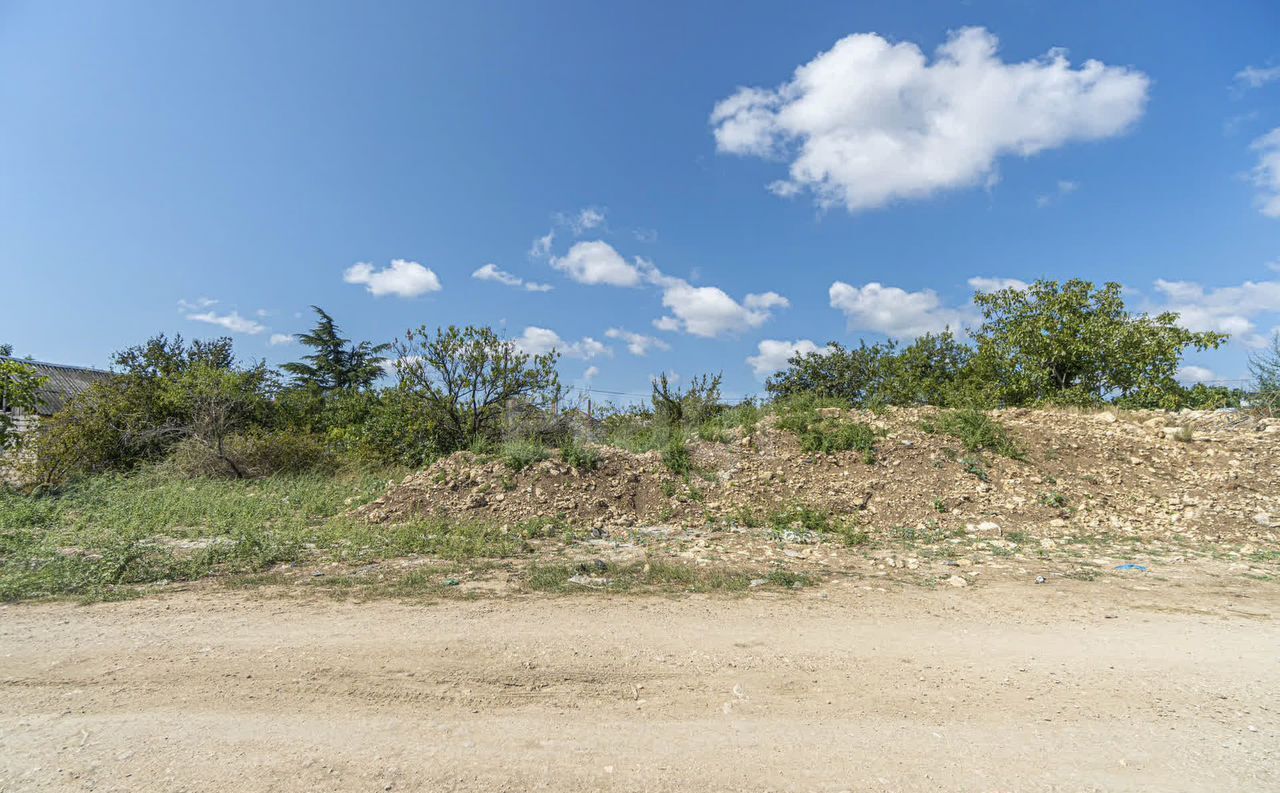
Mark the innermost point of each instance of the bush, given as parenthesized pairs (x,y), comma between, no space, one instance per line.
(675,456)
(976,431)
(580,456)
(520,454)
(256,454)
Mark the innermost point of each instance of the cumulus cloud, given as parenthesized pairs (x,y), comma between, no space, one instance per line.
(983,284)
(231,321)
(280,338)
(1227,309)
(538,341)
(403,278)
(895,312)
(637,343)
(596,263)
(591,373)
(1255,77)
(869,122)
(491,272)
(1190,375)
(773,354)
(709,311)
(1266,174)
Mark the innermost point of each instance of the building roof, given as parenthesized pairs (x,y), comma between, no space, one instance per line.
(61,384)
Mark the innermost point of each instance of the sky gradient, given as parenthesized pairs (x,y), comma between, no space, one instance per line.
(651,187)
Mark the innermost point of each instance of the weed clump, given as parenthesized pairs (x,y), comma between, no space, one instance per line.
(520,454)
(976,431)
(582,457)
(826,434)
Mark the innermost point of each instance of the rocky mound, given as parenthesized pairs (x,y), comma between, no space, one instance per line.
(1209,475)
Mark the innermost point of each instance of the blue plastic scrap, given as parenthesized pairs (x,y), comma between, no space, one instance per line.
(1137,567)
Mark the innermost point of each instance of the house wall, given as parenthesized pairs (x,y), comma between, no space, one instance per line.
(23,423)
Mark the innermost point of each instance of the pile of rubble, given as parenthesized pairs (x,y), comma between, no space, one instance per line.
(1194,475)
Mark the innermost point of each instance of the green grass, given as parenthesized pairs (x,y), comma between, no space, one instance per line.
(580,456)
(818,522)
(520,454)
(107,536)
(659,575)
(826,434)
(977,431)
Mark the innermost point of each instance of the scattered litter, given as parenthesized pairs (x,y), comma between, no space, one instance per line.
(1137,567)
(451,582)
(589,581)
(1041,579)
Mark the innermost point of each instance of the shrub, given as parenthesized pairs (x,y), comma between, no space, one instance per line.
(256,454)
(1074,343)
(976,431)
(467,377)
(580,456)
(520,454)
(931,370)
(675,456)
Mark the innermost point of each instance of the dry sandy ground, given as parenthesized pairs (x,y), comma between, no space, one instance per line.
(1114,684)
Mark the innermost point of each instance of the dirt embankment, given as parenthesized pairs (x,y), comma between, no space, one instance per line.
(1195,475)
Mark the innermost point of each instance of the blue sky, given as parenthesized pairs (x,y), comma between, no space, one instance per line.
(158,157)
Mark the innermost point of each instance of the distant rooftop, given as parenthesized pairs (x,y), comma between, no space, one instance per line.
(63,382)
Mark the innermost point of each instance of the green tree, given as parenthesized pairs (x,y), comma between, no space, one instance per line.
(335,363)
(466,376)
(1074,343)
(19,384)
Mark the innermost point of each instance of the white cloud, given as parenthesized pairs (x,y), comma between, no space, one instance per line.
(869,122)
(700,310)
(591,373)
(231,321)
(1254,77)
(403,278)
(538,341)
(709,311)
(1266,174)
(1227,309)
(637,343)
(1190,375)
(491,272)
(1064,187)
(584,220)
(983,284)
(280,338)
(895,312)
(199,304)
(597,263)
(541,246)
(773,355)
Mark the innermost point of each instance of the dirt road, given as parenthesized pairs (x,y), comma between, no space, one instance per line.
(1107,685)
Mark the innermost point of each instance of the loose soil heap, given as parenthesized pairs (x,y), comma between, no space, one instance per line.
(1213,476)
